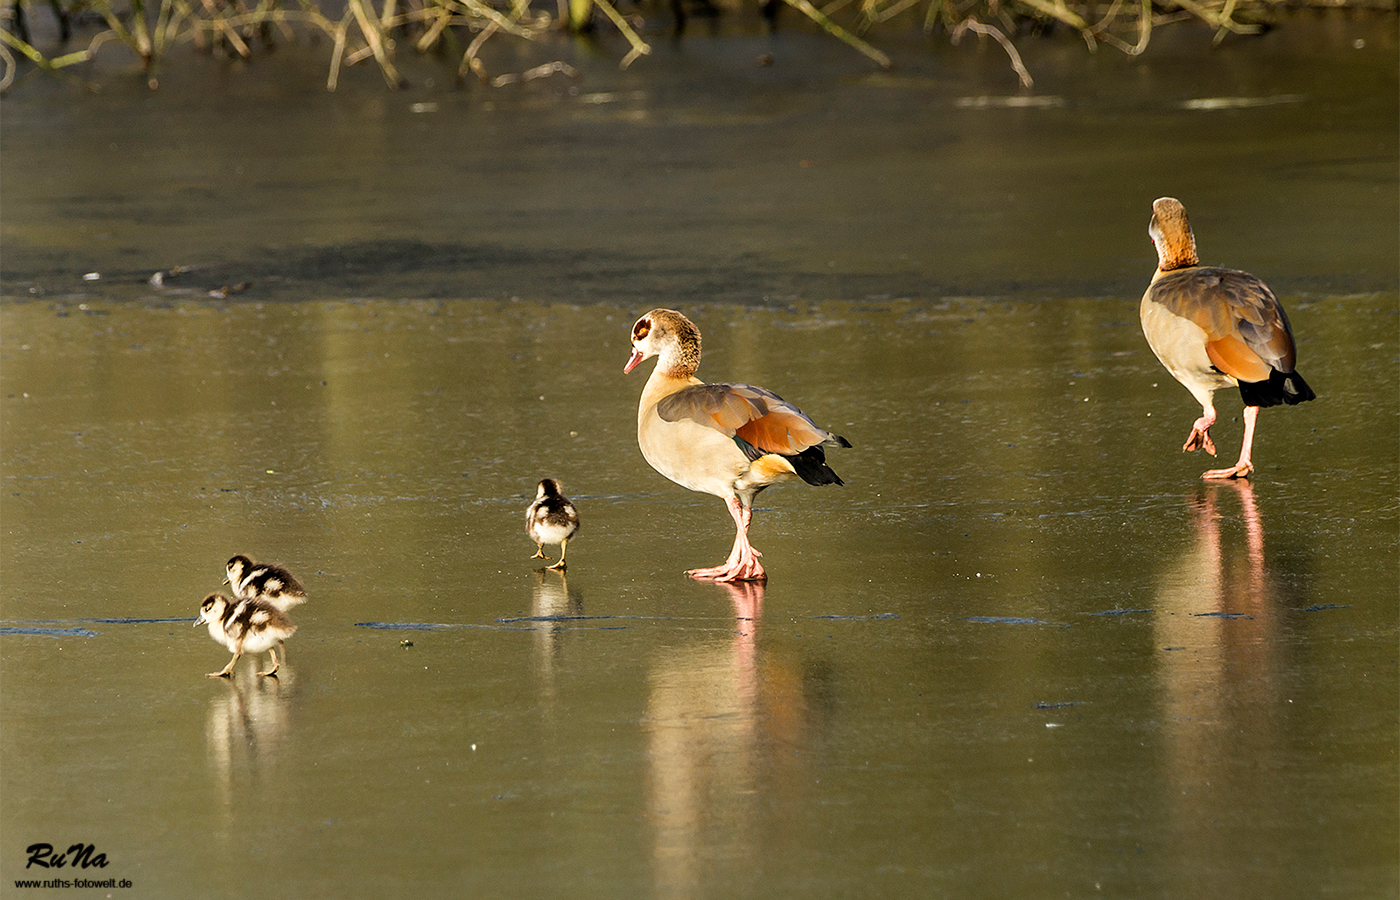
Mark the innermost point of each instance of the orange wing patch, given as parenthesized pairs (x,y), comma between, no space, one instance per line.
(781,432)
(1234,357)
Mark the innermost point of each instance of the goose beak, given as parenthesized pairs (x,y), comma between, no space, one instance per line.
(632,361)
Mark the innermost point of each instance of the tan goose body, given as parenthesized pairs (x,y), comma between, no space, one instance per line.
(698,456)
(729,440)
(1214,328)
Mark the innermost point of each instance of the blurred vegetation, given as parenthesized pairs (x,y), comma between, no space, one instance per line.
(376,30)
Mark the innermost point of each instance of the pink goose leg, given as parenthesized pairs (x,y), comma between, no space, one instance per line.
(1244,467)
(1200,433)
(743,564)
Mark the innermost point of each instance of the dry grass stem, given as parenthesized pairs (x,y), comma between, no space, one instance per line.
(543,71)
(639,47)
(369,28)
(229,34)
(469,60)
(836,31)
(338,52)
(991,31)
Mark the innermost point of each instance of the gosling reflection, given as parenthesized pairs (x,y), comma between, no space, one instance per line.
(1216,629)
(247,724)
(551,605)
(723,721)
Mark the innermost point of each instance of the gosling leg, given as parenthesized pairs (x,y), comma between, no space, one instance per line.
(563,548)
(272,652)
(227,670)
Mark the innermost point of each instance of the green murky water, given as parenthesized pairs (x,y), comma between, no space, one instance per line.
(1023,652)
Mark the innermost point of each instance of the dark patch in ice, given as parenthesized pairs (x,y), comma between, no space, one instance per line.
(510,620)
(48,632)
(121,620)
(132,621)
(1010,620)
(556,618)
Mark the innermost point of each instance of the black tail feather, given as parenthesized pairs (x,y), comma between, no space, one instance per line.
(810,464)
(812,468)
(1282,387)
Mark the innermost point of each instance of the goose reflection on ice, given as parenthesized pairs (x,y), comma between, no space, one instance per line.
(1219,670)
(248,722)
(1218,598)
(722,720)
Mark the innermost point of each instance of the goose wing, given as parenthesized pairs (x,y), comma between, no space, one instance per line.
(757,416)
(1247,331)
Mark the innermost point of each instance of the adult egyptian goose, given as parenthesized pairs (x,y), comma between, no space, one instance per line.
(244,626)
(730,440)
(551,519)
(1213,328)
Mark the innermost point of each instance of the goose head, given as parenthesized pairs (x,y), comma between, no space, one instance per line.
(670,336)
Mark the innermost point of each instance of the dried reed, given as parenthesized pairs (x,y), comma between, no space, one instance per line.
(364,31)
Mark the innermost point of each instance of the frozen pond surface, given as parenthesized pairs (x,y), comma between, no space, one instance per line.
(1023,652)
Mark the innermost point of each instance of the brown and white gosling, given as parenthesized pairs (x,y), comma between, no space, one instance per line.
(551,519)
(263,581)
(244,626)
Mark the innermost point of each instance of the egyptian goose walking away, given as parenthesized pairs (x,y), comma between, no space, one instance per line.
(1213,328)
(730,440)
(551,519)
